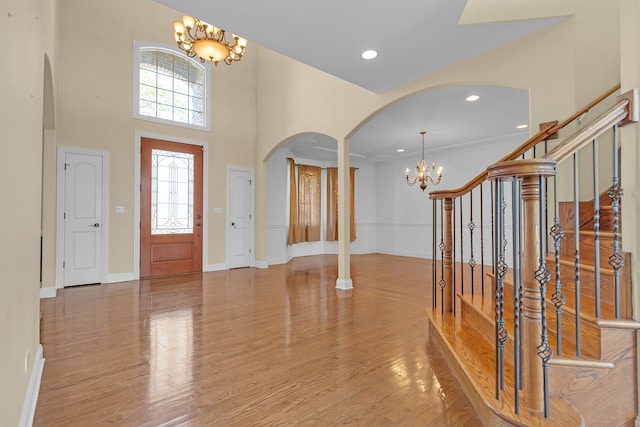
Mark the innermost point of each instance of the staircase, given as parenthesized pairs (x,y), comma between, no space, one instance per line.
(548,343)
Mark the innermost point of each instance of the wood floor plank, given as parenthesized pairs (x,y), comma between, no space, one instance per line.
(279,346)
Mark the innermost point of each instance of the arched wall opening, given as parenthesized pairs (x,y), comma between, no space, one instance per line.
(391,217)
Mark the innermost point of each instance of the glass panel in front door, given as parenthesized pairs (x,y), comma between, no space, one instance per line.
(171,192)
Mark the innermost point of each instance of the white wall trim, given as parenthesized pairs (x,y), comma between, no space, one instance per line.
(216,267)
(121,277)
(344,284)
(136,195)
(33,389)
(48,292)
(104,229)
(261,264)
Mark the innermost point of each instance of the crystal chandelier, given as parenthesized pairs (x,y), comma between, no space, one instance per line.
(423,172)
(197,38)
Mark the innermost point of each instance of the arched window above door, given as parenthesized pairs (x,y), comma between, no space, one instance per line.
(170,87)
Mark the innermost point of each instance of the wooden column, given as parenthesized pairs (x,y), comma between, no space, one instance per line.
(449,291)
(529,171)
(532,315)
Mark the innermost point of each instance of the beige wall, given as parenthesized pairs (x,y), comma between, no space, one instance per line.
(21,81)
(95,109)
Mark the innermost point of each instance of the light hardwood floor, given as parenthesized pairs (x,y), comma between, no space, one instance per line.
(245,347)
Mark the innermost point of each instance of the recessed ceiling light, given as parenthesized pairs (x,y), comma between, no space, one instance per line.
(522,126)
(472,98)
(400,150)
(369,54)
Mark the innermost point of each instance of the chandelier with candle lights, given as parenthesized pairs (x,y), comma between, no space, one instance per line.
(424,172)
(207,42)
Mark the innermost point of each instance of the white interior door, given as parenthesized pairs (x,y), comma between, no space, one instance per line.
(82,216)
(240,217)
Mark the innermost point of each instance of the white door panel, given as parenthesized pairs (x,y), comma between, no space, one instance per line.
(83,177)
(240,214)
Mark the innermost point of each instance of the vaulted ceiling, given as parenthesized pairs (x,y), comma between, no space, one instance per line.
(413,38)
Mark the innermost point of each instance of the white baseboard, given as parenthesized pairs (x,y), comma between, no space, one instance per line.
(261,264)
(33,389)
(48,292)
(344,284)
(217,267)
(121,277)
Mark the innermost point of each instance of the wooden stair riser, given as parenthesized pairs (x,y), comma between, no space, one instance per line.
(589,334)
(587,248)
(587,287)
(484,324)
(481,314)
(603,396)
(587,283)
(586,211)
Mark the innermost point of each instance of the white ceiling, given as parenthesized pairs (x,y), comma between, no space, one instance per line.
(413,38)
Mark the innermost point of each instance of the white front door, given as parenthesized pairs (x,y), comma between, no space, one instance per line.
(240,217)
(82,217)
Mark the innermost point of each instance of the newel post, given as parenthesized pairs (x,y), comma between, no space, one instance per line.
(536,352)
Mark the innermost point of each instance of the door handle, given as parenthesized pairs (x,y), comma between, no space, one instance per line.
(233,224)
(96,225)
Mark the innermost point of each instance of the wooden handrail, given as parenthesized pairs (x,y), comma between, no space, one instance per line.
(523,148)
(584,136)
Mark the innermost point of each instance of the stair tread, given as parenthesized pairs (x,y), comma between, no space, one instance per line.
(474,357)
(485,306)
(587,300)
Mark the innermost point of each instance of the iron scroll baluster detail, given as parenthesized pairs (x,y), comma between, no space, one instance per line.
(442,247)
(543,277)
(501,269)
(471,226)
(433,257)
(558,298)
(616,261)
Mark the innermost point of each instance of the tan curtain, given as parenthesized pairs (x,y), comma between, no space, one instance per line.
(332,204)
(293,203)
(309,203)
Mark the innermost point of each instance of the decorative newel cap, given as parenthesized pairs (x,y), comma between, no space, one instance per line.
(522,167)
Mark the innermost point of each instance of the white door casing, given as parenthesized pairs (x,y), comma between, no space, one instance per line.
(82,218)
(239,217)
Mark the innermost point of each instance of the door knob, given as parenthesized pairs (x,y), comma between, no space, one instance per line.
(96,225)
(233,224)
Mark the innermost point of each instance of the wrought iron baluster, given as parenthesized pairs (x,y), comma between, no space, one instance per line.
(481,240)
(471,225)
(542,276)
(576,243)
(596,226)
(516,292)
(501,271)
(616,261)
(558,299)
(521,280)
(453,253)
(461,250)
(434,294)
(442,247)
